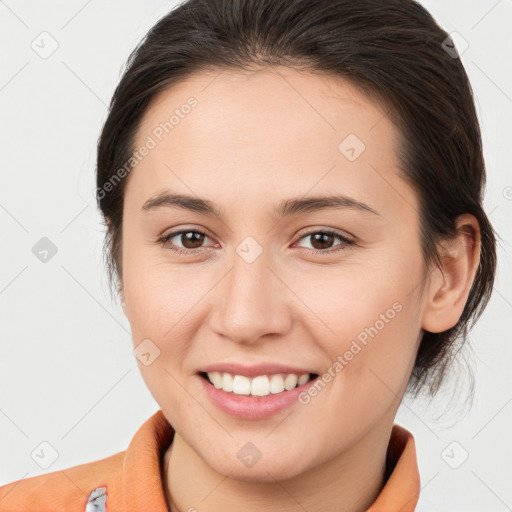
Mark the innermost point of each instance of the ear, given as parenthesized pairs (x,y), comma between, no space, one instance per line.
(449,285)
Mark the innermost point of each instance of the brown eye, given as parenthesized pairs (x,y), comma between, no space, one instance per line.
(191,239)
(187,240)
(322,242)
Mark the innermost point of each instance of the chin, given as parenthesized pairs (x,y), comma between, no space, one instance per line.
(263,474)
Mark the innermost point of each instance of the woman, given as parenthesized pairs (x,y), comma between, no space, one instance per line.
(293,198)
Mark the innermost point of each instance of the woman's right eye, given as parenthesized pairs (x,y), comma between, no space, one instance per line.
(190,238)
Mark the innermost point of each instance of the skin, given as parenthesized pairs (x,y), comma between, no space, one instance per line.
(255,139)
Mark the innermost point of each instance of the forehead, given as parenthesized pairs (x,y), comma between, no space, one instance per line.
(255,105)
(276,130)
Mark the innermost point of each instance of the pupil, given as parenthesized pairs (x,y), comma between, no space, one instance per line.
(192,240)
(321,236)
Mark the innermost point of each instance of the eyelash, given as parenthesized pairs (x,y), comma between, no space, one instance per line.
(346,241)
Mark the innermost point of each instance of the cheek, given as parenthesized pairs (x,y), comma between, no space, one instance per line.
(160,311)
(372,356)
(369,330)
(158,296)
(159,302)
(361,301)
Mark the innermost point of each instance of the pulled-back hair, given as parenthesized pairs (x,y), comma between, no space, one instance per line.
(392,51)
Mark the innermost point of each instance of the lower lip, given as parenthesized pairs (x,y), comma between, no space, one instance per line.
(249,407)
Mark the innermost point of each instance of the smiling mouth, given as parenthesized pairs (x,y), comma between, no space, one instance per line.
(259,386)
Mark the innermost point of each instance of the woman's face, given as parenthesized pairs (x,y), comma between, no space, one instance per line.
(267,284)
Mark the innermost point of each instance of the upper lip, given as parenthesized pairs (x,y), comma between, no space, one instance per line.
(253,370)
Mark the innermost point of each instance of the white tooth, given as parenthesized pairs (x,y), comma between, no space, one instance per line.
(227,382)
(290,382)
(276,384)
(303,379)
(215,379)
(241,385)
(260,386)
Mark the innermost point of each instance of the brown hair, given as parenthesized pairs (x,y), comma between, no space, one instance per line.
(393,51)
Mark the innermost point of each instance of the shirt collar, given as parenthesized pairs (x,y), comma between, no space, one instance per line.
(402,488)
(142,484)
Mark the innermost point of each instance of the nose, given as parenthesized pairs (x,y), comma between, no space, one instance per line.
(251,302)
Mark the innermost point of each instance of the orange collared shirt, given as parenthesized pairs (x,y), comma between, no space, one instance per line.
(131,481)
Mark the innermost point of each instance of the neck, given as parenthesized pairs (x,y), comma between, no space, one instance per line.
(350,482)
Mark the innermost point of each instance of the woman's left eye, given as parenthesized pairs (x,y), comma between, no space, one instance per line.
(322,238)
(192,239)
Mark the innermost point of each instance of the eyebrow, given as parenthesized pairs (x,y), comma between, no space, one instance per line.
(288,207)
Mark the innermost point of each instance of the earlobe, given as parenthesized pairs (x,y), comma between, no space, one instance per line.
(451,283)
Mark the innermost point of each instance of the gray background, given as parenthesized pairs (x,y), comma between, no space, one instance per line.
(67,373)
